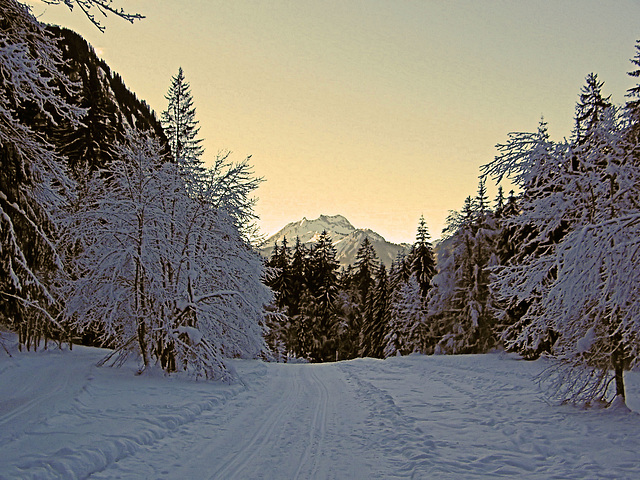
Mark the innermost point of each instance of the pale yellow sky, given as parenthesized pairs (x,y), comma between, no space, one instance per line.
(377,110)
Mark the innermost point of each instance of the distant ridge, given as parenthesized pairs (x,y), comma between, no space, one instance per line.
(346,238)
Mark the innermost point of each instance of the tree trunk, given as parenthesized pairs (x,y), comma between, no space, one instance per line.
(142,342)
(617,359)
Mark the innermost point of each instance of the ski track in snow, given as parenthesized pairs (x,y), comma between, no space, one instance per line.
(281,431)
(260,439)
(403,418)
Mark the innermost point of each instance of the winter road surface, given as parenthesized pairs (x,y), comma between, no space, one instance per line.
(401,418)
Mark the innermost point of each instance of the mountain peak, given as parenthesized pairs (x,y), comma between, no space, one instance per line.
(345,237)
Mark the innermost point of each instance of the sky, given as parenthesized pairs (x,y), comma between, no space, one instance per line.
(378,110)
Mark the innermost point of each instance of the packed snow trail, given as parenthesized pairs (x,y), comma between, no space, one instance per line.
(402,418)
(293,421)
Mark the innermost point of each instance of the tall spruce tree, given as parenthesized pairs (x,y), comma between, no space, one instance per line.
(322,281)
(364,270)
(589,109)
(280,279)
(180,124)
(423,264)
(632,106)
(377,317)
(230,184)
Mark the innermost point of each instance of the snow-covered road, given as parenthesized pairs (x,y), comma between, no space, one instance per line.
(410,417)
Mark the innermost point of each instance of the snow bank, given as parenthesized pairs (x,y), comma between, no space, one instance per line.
(62,417)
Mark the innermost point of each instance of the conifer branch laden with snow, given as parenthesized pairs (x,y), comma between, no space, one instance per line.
(34,185)
(577,275)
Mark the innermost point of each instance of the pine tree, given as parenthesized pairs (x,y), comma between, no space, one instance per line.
(230,184)
(589,110)
(323,271)
(499,202)
(364,270)
(632,106)
(423,264)
(299,271)
(322,281)
(377,316)
(400,270)
(180,124)
(280,280)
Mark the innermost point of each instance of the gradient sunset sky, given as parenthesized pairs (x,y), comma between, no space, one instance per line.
(376,110)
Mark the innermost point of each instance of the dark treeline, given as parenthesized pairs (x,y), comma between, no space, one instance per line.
(330,313)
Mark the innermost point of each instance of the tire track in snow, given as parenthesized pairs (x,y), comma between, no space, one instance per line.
(261,437)
(317,430)
(297,421)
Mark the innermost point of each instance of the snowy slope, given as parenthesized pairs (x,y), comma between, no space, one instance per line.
(401,418)
(346,238)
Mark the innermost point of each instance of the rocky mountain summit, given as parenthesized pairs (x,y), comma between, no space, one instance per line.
(346,238)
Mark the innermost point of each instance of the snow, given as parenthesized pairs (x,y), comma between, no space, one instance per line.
(405,417)
(345,237)
(584,344)
(194,334)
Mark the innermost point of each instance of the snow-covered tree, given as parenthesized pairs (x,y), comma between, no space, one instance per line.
(459,309)
(166,274)
(540,168)
(406,320)
(578,276)
(34,184)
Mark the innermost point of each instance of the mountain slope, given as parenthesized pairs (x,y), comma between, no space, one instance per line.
(346,238)
(111,108)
